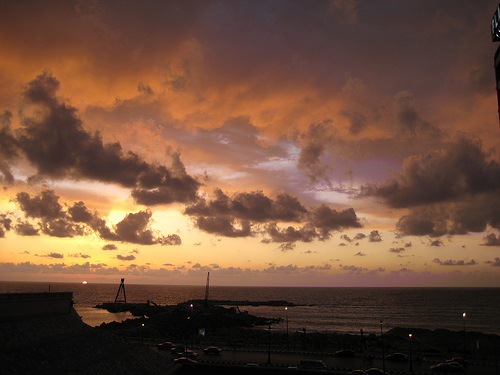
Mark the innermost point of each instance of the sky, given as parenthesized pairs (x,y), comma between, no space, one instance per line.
(270,143)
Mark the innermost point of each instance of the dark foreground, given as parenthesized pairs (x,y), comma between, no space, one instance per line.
(58,343)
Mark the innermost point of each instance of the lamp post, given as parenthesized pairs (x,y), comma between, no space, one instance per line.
(464,315)
(269,347)
(383,354)
(411,362)
(287,340)
(142,333)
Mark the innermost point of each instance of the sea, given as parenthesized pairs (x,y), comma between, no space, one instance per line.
(318,309)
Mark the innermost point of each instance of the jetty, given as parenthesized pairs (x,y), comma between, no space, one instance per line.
(150,308)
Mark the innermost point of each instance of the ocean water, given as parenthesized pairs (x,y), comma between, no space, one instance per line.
(344,310)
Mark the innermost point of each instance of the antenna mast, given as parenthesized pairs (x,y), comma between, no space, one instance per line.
(207,290)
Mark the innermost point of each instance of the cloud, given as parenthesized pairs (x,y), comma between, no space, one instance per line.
(436,243)
(77,220)
(8,147)
(353,268)
(79,255)
(287,246)
(451,262)
(25,228)
(360,254)
(494,263)
(306,233)
(317,140)
(254,206)
(397,250)
(236,217)
(125,257)
(375,236)
(408,117)
(491,240)
(5,224)
(110,246)
(53,139)
(224,226)
(54,255)
(457,171)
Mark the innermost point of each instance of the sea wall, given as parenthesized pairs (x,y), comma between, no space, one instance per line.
(14,305)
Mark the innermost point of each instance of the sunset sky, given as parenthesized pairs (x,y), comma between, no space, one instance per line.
(283,143)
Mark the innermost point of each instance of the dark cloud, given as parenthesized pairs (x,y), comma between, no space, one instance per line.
(110,246)
(254,206)
(359,254)
(316,142)
(327,219)
(494,263)
(77,220)
(54,140)
(396,250)
(55,255)
(306,233)
(436,243)
(409,119)
(135,228)
(375,236)
(79,213)
(5,224)
(451,262)
(287,246)
(25,228)
(79,255)
(491,240)
(125,257)
(458,171)
(346,238)
(46,205)
(359,236)
(472,214)
(353,268)
(358,121)
(224,226)
(8,146)
(235,217)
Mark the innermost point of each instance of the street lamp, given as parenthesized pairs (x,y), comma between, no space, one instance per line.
(142,333)
(383,354)
(269,347)
(287,341)
(464,315)
(411,363)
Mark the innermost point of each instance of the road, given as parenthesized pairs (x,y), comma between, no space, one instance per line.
(345,365)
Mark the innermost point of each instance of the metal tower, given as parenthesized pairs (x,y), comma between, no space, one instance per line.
(121,287)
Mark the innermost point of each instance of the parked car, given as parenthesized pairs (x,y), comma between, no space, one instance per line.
(447,367)
(345,353)
(459,360)
(374,371)
(189,354)
(177,349)
(166,345)
(212,350)
(184,360)
(313,364)
(397,357)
